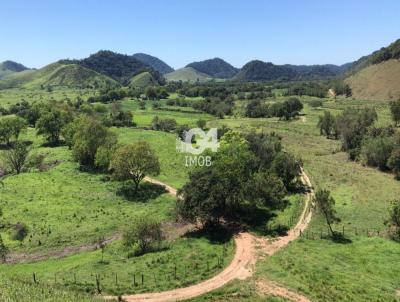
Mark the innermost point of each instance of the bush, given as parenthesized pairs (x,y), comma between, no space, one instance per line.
(144,235)
(376,151)
(20,232)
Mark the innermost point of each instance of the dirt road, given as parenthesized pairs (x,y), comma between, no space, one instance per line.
(248,248)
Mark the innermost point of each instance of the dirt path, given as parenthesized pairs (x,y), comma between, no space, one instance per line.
(14,258)
(270,288)
(247,253)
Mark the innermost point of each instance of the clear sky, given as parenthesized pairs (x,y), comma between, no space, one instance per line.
(39,32)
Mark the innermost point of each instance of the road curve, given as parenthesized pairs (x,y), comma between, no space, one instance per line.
(248,247)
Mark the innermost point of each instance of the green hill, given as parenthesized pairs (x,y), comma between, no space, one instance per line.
(143,80)
(9,67)
(153,62)
(187,74)
(261,71)
(57,75)
(376,82)
(376,76)
(216,68)
(114,65)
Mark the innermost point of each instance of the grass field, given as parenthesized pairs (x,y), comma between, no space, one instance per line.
(186,261)
(13,289)
(364,270)
(12,96)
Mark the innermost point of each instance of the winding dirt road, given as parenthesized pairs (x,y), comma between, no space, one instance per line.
(248,249)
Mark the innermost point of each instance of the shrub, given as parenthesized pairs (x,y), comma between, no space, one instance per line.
(144,235)
(20,232)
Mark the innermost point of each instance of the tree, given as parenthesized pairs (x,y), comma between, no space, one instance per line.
(134,162)
(11,126)
(325,204)
(16,157)
(266,190)
(216,191)
(287,167)
(145,234)
(287,109)
(394,216)
(326,124)
(394,162)
(201,124)
(90,135)
(150,93)
(376,151)
(50,124)
(395,110)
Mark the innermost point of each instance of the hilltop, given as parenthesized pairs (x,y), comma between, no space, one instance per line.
(216,68)
(261,71)
(153,62)
(57,75)
(10,67)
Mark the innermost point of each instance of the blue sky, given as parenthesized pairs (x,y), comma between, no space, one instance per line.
(36,33)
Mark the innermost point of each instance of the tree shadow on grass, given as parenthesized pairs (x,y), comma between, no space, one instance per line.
(256,219)
(8,147)
(217,234)
(146,191)
(340,238)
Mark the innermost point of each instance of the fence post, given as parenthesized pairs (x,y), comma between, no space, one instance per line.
(34,278)
(142,279)
(116,279)
(175,271)
(98,283)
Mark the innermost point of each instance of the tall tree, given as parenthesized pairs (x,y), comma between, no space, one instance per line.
(325,204)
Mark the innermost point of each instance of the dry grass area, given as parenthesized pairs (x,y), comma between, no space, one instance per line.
(377,82)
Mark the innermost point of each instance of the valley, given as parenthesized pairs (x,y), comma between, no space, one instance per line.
(299,203)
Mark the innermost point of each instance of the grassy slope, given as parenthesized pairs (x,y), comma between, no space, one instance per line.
(13,289)
(143,118)
(187,74)
(143,80)
(365,270)
(57,75)
(62,199)
(195,258)
(9,97)
(377,82)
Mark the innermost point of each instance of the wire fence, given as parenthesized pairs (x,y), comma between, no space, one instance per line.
(166,276)
(350,231)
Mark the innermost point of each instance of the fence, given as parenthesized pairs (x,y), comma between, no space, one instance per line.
(135,281)
(349,231)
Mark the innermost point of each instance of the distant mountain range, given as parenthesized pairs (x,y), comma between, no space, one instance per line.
(374,76)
